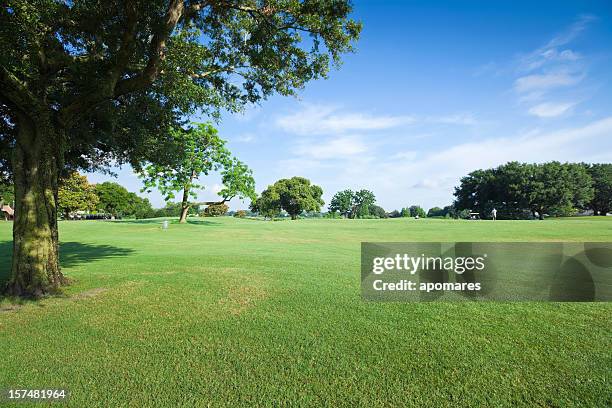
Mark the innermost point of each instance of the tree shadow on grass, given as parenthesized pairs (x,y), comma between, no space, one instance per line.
(147,221)
(196,221)
(71,254)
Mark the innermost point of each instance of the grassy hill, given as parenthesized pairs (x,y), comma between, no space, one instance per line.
(225,311)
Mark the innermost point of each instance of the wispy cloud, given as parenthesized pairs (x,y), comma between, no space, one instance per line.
(326,120)
(549,69)
(316,120)
(554,50)
(550,109)
(545,82)
(467,119)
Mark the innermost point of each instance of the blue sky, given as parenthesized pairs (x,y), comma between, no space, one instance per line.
(434,91)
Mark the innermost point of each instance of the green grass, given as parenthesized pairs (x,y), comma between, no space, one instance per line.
(240,312)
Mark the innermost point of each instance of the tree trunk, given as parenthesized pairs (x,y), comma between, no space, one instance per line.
(184,205)
(35,269)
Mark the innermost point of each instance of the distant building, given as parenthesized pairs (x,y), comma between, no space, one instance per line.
(8,212)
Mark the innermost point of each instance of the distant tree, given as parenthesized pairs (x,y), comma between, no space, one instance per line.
(435,212)
(268,204)
(240,214)
(138,207)
(353,204)
(476,192)
(557,189)
(215,210)
(343,202)
(114,198)
(76,194)
(364,199)
(395,214)
(293,195)
(405,212)
(378,211)
(601,174)
(7,193)
(517,189)
(189,154)
(169,210)
(417,211)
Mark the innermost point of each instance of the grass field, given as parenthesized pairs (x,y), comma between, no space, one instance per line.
(226,311)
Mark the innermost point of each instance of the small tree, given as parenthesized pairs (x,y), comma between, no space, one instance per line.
(377,211)
(417,211)
(7,193)
(215,210)
(364,199)
(191,153)
(343,202)
(268,204)
(76,194)
(139,207)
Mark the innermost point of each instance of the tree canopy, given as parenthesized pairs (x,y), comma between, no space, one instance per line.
(76,194)
(193,152)
(601,174)
(517,190)
(294,195)
(354,204)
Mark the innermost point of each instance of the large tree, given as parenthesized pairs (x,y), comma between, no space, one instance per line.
(294,195)
(84,83)
(76,194)
(602,183)
(191,153)
(517,189)
(558,189)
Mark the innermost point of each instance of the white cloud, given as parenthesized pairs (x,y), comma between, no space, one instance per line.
(544,82)
(316,120)
(326,120)
(551,52)
(428,178)
(457,119)
(553,66)
(550,109)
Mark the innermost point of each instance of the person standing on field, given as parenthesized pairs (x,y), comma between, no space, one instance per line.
(494,214)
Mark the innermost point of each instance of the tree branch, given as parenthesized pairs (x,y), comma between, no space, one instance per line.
(113,86)
(16,92)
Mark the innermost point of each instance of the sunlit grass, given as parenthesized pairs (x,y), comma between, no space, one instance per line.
(224,311)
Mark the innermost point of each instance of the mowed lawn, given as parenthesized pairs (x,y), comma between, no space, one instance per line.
(231,312)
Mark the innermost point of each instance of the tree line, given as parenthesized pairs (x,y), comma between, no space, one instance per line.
(523,190)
